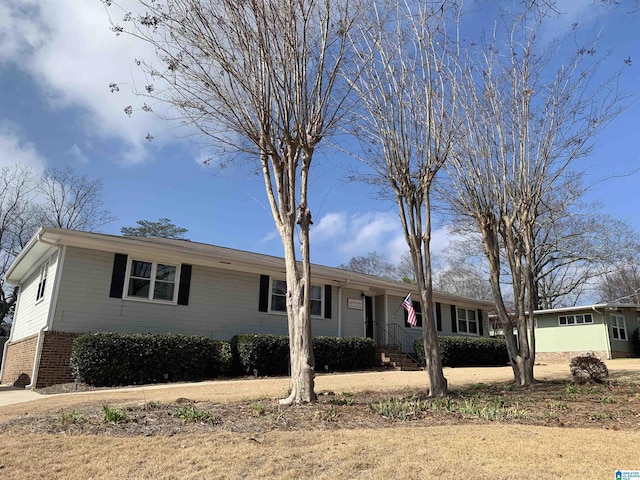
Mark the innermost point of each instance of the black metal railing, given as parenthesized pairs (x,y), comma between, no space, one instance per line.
(396,335)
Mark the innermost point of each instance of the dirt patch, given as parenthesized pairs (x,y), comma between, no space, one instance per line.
(615,405)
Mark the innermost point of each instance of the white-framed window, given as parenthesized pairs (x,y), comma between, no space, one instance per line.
(618,327)
(578,319)
(42,282)
(279,297)
(467,321)
(153,281)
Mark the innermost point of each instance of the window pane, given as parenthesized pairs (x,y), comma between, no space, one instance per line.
(163,291)
(471,315)
(563,320)
(571,320)
(623,334)
(316,292)
(278,303)
(279,287)
(615,333)
(138,288)
(316,307)
(462,314)
(166,273)
(140,269)
(462,326)
(579,319)
(588,318)
(473,327)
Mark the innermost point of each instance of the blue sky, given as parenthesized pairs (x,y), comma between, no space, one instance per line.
(57,58)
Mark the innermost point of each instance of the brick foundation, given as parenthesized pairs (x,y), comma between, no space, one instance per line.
(564,357)
(54,360)
(18,364)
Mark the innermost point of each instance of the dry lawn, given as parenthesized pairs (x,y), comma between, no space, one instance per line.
(339,438)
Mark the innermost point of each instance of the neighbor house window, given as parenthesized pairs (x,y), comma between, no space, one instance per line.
(152,281)
(279,297)
(467,321)
(579,319)
(42,283)
(618,327)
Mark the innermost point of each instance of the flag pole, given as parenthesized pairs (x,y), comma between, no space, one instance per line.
(405,297)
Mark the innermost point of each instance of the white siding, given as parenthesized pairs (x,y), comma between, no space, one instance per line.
(222,303)
(352,319)
(31,316)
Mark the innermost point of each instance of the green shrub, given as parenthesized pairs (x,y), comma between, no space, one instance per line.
(107,359)
(468,351)
(635,341)
(586,367)
(269,354)
(266,354)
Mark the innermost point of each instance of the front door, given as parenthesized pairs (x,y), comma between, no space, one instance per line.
(368,316)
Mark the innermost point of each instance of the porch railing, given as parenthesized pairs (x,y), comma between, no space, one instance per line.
(396,335)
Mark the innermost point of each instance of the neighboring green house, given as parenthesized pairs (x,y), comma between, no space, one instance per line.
(604,329)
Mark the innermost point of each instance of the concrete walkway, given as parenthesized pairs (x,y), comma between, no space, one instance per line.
(10,395)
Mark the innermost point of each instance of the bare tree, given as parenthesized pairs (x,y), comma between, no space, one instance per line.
(372,263)
(576,244)
(463,279)
(16,187)
(71,200)
(259,77)
(163,228)
(408,127)
(530,112)
(621,285)
(60,198)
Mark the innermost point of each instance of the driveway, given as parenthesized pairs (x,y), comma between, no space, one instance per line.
(10,395)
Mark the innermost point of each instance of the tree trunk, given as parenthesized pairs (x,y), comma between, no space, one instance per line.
(300,339)
(439,386)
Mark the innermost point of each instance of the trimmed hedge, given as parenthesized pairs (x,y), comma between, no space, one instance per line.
(108,359)
(269,354)
(635,341)
(468,351)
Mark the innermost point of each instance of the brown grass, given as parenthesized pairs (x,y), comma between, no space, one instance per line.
(469,449)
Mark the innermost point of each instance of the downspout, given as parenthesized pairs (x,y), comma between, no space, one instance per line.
(606,331)
(36,360)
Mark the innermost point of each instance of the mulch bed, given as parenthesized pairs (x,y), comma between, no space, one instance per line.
(613,405)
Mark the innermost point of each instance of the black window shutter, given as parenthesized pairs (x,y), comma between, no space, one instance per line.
(327,301)
(454,319)
(117,275)
(263,300)
(480,327)
(185,284)
(438,317)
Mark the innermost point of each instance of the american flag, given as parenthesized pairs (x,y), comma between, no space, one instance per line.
(411,313)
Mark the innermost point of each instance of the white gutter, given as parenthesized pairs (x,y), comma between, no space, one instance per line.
(36,360)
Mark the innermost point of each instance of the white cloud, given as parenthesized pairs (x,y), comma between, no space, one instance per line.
(76,153)
(347,236)
(273,234)
(330,226)
(15,150)
(69,49)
